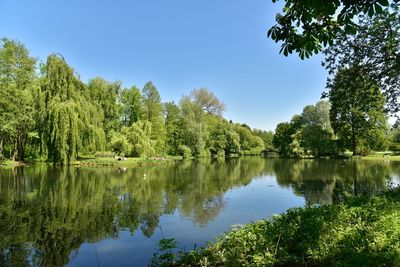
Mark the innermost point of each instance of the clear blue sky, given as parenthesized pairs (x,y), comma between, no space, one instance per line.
(179,45)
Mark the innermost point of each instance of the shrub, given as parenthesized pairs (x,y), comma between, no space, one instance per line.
(184,151)
(105,154)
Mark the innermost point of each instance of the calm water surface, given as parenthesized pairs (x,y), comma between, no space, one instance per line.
(114,217)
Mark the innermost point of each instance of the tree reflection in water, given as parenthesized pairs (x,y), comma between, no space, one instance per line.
(46,213)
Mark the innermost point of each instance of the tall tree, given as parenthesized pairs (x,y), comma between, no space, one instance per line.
(153,112)
(357,113)
(316,132)
(72,122)
(194,126)
(17,84)
(132,107)
(173,126)
(375,46)
(208,101)
(105,94)
(283,138)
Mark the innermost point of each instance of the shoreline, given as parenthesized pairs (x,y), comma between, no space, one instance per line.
(152,161)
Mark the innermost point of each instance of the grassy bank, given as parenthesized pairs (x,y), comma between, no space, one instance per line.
(360,232)
(11,164)
(101,161)
(127,162)
(383,155)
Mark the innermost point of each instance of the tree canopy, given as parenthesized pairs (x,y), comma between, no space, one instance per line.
(305,27)
(357,112)
(376,47)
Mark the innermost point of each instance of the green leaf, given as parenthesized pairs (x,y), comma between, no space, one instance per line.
(378,8)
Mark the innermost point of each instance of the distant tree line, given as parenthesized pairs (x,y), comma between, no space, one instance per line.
(47,112)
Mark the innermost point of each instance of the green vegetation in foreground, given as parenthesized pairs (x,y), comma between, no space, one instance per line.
(361,232)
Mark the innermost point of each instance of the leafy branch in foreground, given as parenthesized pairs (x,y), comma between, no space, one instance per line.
(306,26)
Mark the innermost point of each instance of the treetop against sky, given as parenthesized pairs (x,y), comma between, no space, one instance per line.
(179,45)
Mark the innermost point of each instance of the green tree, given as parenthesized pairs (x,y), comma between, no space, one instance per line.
(375,46)
(208,101)
(306,26)
(194,127)
(153,112)
(357,112)
(173,127)
(119,144)
(283,138)
(317,134)
(105,95)
(17,84)
(72,121)
(132,109)
(250,144)
(394,136)
(138,136)
(266,136)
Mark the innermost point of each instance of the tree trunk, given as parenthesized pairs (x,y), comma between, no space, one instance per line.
(21,147)
(354,144)
(14,155)
(353,137)
(1,148)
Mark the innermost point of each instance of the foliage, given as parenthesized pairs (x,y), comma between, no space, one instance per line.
(173,122)
(119,144)
(104,95)
(357,113)
(308,134)
(283,138)
(306,26)
(131,100)
(17,87)
(376,47)
(72,121)
(267,137)
(394,139)
(184,151)
(153,112)
(139,137)
(208,101)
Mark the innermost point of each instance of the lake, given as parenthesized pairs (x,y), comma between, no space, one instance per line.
(110,216)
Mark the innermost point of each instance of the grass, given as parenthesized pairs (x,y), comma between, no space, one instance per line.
(376,157)
(382,155)
(10,164)
(361,232)
(129,162)
(91,160)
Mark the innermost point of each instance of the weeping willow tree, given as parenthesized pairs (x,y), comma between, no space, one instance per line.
(72,123)
(139,136)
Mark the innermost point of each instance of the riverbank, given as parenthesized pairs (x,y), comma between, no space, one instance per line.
(361,232)
(102,161)
(124,162)
(11,164)
(91,160)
